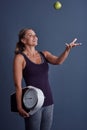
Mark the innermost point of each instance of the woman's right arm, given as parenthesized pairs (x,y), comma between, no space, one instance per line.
(18,65)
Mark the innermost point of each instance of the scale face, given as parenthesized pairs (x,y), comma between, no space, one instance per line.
(30,98)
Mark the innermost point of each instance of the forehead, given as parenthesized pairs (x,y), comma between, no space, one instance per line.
(30,31)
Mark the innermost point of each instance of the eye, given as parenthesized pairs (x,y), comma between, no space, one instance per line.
(30,35)
(36,35)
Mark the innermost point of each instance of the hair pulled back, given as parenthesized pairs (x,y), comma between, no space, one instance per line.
(20,46)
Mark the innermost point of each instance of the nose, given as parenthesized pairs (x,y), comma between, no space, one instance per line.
(35,37)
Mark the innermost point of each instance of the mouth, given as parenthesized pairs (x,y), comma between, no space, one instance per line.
(35,41)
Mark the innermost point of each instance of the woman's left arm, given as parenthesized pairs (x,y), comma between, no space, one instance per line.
(59,60)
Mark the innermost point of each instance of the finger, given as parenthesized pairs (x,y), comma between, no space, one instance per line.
(74,40)
(27,114)
(66,44)
(78,44)
(24,114)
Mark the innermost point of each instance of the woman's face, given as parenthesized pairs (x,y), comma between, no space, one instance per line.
(30,38)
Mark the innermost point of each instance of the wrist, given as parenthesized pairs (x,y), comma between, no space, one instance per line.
(19,107)
(68,48)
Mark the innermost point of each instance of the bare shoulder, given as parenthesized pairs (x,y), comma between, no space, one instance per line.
(46,53)
(18,58)
(50,57)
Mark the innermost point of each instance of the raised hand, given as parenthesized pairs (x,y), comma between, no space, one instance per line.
(73,44)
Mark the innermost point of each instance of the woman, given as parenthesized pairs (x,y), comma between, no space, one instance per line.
(32,65)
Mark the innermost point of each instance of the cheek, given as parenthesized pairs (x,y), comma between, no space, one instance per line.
(28,41)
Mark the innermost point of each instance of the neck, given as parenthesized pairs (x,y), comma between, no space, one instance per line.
(31,51)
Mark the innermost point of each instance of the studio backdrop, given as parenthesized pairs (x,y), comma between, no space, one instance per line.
(54,28)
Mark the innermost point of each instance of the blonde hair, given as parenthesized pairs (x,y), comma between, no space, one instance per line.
(20,46)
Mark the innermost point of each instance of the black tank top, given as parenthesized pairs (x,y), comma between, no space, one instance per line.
(37,75)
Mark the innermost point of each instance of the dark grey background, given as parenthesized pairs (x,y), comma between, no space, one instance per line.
(54,28)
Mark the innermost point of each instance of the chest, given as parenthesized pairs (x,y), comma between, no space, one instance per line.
(35,70)
(37,59)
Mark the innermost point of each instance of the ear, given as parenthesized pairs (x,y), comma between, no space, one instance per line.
(23,40)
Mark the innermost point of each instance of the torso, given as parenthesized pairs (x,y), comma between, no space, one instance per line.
(36,74)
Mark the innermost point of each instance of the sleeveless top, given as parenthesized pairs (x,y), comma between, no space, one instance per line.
(37,75)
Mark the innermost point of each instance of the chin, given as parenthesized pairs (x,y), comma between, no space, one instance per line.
(36,44)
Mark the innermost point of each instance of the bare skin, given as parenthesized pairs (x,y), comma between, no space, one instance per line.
(31,41)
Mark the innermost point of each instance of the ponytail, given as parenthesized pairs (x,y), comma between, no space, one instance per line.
(20,46)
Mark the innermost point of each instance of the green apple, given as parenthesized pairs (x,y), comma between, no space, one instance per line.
(57,5)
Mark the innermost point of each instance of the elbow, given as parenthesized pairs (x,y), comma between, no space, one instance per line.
(58,63)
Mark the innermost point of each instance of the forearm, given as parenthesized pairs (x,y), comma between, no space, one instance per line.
(19,97)
(21,111)
(63,56)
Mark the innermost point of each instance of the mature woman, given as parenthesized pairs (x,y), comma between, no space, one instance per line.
(32,65)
